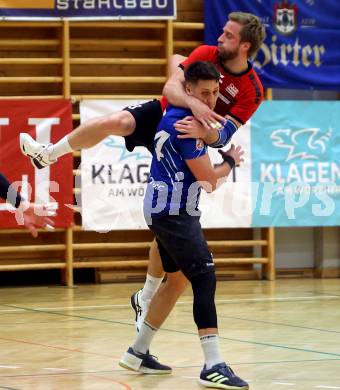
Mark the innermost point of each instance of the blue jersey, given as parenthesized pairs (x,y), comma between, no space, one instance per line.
(172,187)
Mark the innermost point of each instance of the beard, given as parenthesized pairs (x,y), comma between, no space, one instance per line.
(226,55)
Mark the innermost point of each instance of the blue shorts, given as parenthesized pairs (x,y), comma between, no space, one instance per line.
(182,245)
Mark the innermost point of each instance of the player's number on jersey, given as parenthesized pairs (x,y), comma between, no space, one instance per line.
(160,139)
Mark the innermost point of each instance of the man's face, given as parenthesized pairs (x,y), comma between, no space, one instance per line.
(229,41)
(204,90)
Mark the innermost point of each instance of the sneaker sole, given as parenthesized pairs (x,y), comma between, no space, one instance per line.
(144,370)
(220,385)
(124,365)
(150,371)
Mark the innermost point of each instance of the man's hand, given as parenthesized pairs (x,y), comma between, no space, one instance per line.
(190,127)
(208,117)
(235,152)
(34,216)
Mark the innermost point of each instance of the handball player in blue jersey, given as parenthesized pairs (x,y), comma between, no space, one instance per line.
(179,169)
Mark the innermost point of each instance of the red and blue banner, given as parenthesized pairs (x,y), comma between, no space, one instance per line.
(87,9)
(46,121)
(301,49)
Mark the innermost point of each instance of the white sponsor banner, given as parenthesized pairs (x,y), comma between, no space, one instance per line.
(113,181)
(231,204)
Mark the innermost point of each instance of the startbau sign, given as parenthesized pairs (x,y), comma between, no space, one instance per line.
(111,4)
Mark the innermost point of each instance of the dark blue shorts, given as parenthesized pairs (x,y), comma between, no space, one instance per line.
(147,116)
(182,245)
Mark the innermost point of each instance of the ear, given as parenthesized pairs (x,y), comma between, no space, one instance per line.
(246,45)
(188,88)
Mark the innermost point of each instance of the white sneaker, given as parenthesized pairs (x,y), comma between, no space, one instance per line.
(39,154)
(140,307)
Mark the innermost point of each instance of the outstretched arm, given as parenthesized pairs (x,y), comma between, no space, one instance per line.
(30,215)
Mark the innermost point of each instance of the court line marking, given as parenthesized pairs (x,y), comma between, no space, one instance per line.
(328,293)
(57,347)
(60,374)
(267,362)
(8,388)
(284,383)
(247,300)
(179,331)
(277,323)
(96,375)
(63,373)
(125,385)
(56,369)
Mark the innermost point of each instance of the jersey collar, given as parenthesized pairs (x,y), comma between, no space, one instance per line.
(235,74)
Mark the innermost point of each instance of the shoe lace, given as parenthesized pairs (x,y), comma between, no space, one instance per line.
(39,157)
(152,356)
(228,370)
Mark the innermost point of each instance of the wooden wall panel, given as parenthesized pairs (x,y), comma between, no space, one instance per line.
(74,59)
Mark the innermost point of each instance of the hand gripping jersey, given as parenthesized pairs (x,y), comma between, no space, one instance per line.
(240,94)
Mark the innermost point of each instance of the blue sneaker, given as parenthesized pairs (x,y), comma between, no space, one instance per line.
(143,362)
(221,376)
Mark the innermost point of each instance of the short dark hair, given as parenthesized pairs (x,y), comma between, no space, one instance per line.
(201,70)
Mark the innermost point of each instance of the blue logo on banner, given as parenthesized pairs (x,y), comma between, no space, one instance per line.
(296,164)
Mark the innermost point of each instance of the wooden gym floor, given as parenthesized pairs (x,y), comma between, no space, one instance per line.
(280,335)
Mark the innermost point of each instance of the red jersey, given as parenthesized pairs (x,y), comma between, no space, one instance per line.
(240,94)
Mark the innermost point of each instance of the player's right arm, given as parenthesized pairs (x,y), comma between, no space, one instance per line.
(209,175)
(176,95)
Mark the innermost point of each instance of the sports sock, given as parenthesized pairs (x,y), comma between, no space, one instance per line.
(211,349)
(60,148)
(144,338)
(150,287)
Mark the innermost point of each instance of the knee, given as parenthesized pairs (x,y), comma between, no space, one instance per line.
(121,123)
(204,282)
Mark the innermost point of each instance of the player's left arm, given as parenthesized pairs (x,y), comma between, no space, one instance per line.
(218,137)
(207,174)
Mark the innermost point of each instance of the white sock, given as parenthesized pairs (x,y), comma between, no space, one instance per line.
(211,349)
(151,285)
(144,338)
(60,148)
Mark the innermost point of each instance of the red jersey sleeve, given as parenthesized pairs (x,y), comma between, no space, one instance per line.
(201,53)
(248,103)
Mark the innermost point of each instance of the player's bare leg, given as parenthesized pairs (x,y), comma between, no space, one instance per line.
(95,130)
(165,298)
(140,300)
(84,136)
